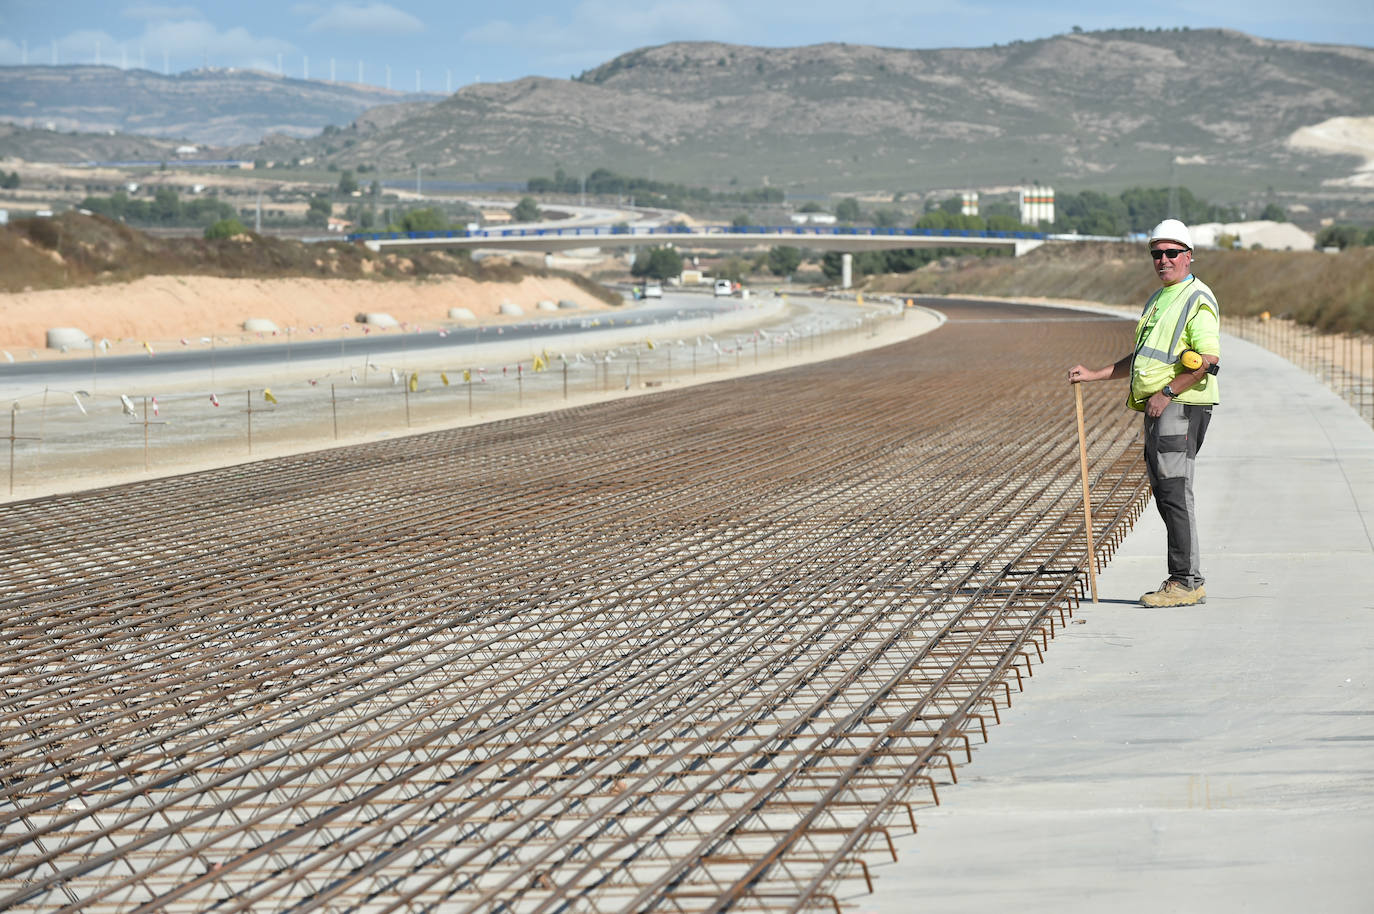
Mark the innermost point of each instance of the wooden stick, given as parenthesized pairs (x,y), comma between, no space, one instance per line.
(1087,501)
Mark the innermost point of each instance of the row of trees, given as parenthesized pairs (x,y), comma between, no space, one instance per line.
(646,191)
(166,208)
(1139,209)
(400,219)
(663,263)
(9,181)
(1345,236)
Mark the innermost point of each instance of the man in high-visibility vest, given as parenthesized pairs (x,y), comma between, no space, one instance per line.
(1173,372)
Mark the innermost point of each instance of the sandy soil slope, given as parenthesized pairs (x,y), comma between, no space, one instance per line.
(162,310)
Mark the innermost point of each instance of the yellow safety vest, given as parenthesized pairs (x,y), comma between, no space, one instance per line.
(1160,341)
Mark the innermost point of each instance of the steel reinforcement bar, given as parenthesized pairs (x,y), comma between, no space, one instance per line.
(701,650)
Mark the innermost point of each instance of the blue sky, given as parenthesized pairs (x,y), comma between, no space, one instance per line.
(445,45)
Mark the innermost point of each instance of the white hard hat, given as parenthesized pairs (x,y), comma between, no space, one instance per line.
(1172,230)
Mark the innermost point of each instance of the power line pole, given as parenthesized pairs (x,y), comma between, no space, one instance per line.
(1173,191)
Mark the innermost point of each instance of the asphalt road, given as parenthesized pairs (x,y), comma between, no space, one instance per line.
(23,377)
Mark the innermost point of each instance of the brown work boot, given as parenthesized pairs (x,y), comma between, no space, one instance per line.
(1174,593)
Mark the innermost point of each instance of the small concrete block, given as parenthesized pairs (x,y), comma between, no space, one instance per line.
(65,338)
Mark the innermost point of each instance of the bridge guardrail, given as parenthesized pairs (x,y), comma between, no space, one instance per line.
(800,231)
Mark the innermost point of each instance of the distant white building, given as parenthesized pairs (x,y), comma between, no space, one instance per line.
(1274,236)
(1037,204)
(812,219)
(187,150)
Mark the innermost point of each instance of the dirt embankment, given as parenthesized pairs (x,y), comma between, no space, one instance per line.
(1333,292)
(119,284)
(167,309)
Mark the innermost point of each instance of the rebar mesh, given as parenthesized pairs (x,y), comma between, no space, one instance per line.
(697,650)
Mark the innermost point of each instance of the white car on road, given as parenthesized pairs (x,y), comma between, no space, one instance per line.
(653,290)
(724,287)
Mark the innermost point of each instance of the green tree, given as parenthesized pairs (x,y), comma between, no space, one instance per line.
(887,218)
(347,184)
(166,208)
(847,210)
(225,228)
(784,260)
(424,220)
(743,220)
(657,263)
(11,180)
(205,211)
(1000,222)
(939,219)
(319,211)
(526,210)
(1274,213)
(811,206)
(1092,213)
(733,269)
(1340,236)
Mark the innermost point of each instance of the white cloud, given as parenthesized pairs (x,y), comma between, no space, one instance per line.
(200,42)
(368,19)
(11,54)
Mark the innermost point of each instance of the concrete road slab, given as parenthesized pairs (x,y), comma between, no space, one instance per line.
(1209,758)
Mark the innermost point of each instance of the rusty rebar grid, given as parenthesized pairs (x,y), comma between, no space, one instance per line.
(699,650)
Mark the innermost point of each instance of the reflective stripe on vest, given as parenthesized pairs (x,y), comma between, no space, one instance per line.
(1152,365)
(1169,358)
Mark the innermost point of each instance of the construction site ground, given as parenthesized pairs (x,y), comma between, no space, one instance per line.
(1205,758)
(709,649)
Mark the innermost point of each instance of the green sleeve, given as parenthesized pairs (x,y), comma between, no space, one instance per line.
(1203,332)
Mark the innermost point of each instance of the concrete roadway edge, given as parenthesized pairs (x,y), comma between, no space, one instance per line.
(1208,758)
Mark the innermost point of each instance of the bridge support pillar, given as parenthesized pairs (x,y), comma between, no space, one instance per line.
(846,270)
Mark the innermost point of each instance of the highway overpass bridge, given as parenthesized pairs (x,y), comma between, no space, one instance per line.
(712,237)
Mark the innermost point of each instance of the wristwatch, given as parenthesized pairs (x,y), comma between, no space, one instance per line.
(1168,391)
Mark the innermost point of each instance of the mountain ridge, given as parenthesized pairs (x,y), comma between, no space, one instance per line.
(210,106)
(1114,108)
(1107,110)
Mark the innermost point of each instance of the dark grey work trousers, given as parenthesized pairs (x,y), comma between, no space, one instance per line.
(1171,445)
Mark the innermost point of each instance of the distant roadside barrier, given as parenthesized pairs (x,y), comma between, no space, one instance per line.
(800,232)
(1344,362)
(61,439)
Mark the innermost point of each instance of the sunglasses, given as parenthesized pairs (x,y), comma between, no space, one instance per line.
(1172,255)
